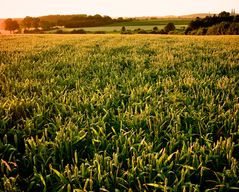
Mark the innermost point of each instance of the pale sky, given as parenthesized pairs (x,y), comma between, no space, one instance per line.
(113,8)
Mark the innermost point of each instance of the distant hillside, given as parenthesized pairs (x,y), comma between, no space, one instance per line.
(190,16)
(201,15)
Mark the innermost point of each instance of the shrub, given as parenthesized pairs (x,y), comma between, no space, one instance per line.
(162,31)
(188,30)
(127,32)
(142,31)
(176,32)
(155,28)
(60,31)
(123,29)
(233,29)
(79,31)
(202,31)
(100,32)
(169,27)
(219,29)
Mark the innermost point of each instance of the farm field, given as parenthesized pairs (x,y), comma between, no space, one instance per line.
(144,24)
(119,113)
(117,29)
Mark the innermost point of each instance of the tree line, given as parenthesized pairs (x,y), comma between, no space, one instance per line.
(222,24)
(28,23)
(31,24)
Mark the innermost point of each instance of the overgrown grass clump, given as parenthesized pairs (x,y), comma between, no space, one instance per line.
(119,113)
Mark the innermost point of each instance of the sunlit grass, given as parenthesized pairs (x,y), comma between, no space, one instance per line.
(118,112)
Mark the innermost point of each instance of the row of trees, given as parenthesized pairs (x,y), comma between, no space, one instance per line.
(68,21)
(28,23)
(82,20)
(85,21)
(224,23)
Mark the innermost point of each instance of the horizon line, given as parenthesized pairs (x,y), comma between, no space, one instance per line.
(149,16)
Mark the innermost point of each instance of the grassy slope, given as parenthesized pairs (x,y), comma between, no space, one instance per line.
(119,112)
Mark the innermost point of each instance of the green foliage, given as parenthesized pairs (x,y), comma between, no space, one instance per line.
(45,25)
(35,22)
(155,28)
(223,24)
(119,113)
(224,28)
(100,32)
(79,31)
(32,24)
(27,22)
(123,29)
(224,14)
(169,27)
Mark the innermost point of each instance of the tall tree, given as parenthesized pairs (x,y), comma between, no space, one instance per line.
(35,22)
(11,25)
(169,27)
(224,14)
(123,29)
(45,25)
(27,22)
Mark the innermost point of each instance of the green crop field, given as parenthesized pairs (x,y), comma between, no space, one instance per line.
(144,24)
(119,113)
(116,29)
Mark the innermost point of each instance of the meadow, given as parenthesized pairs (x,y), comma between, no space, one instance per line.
(116,29)
(144,24)
(119,113)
